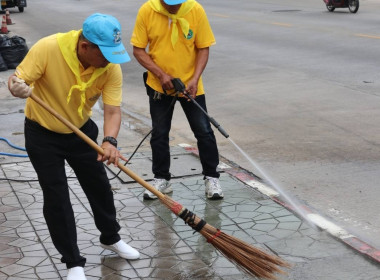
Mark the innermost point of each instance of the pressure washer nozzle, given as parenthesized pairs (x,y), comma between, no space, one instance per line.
(223,132)
(217,125)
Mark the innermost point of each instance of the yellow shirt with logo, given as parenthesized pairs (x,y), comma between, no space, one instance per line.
(45,68)
(154,29)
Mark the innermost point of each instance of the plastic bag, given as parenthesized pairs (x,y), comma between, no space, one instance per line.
(3,65)
(13,50)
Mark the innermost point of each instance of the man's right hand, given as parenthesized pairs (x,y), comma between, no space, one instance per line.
(18,87)
(166,81)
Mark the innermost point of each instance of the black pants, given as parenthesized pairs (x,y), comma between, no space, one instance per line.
(48,151)
(161,112)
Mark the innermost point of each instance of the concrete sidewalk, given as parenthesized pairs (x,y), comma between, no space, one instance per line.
(169,248)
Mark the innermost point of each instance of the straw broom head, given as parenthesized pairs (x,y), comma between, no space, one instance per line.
(251,259)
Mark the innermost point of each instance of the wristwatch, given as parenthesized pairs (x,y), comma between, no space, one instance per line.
(111,140)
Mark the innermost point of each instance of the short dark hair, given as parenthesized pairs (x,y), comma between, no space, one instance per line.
(82,38)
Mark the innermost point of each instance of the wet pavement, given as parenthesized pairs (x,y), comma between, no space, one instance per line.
(169,248)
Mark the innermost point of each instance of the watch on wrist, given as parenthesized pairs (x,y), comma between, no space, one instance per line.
(111,140)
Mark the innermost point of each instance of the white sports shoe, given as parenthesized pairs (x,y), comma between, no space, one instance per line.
(76,273)
(213,189)
(123,250)
(162,185)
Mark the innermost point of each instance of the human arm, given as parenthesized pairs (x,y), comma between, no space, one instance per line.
(200,65)
(147,62)
(111,127)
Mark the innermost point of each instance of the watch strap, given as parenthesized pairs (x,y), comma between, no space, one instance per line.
(110,140)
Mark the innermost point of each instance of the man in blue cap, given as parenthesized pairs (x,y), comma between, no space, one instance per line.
(70,72)
(179,36)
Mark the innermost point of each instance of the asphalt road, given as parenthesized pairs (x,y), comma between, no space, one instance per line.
(295,86)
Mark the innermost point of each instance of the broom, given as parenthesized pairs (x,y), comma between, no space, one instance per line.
(252,260)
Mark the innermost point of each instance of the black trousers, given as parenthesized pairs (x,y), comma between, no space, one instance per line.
(161,113)
(48,151)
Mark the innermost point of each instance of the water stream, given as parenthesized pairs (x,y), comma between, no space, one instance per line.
(267,179)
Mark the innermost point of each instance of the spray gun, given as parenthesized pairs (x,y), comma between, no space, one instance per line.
(180,87)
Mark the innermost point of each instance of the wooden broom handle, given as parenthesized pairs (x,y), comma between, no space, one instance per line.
(96,147)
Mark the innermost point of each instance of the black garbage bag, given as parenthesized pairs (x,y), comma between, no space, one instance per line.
(13,50)
(3,65)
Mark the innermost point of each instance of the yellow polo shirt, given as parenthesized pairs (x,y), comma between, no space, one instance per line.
(45,68)
(154,29)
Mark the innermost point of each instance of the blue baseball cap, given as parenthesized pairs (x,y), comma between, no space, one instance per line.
(174,2)
(105,32)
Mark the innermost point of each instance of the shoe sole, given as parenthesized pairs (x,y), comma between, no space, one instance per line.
(215,196)
(148,197)
(167,190)
(152,197)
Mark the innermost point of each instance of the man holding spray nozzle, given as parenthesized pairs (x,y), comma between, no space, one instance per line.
(179,36)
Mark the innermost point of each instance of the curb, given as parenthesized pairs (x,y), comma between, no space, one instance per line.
(313,217)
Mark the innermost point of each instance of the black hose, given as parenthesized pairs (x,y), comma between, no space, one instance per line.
(180,87)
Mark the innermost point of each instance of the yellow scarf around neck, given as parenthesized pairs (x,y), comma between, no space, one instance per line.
(178,17)
(68,45)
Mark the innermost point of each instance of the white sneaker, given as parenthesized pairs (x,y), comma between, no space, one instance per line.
(162,185)
(123,250)
(76,273)
(213,189)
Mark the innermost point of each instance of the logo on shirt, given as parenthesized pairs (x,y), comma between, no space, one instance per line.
(190,34)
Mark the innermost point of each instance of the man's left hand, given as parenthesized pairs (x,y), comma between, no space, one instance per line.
(111,154)
(192,89)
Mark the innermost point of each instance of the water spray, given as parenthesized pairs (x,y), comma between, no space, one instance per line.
(180,87)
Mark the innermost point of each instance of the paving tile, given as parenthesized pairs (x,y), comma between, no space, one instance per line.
(31,261)
(6,209)
(13,269)
(127,273)
(6,261)
(10,250)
